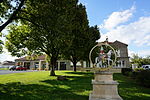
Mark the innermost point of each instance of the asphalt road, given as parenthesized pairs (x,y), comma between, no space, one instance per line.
(9,72)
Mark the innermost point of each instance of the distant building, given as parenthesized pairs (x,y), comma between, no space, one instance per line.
(122,50)
(40,63)
(123,58)
(7,64)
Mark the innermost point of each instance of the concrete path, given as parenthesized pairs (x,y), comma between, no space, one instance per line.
(9,72)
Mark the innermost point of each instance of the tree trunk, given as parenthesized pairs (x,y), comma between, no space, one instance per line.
(53,64)
(74,66)
(49,66)
(52,71)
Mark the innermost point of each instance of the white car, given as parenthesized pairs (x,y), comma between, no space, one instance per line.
(146,67)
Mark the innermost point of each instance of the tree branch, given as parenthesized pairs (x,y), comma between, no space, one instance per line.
(12,16)
(23,11)
(28,21)
(1,1)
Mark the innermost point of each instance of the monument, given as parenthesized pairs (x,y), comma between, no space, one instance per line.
(104,87)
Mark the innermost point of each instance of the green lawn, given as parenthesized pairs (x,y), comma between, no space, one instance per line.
(129,90)
(4,68)
(41,86)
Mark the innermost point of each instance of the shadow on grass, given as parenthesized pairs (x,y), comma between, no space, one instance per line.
(74,83)
(130,90)
(75,88)
(18,91)
(81,73)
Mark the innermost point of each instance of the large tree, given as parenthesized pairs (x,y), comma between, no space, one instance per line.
(43,27)
(8,12)
(82,37)
(92,36)
(136,59)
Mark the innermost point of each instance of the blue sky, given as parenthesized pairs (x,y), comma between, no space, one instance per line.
(125,20)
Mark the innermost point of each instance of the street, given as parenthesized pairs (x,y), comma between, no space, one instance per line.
(9,72)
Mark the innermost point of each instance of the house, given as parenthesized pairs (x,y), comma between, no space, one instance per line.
(122,50)
(7,64)
(40,63)
(123,58)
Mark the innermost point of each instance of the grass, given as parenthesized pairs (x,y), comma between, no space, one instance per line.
(130,90)
(4,68)
(41,86)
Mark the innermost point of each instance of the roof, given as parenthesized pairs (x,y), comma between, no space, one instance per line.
(114,42)
(42,57)
(120,42)
(8,63)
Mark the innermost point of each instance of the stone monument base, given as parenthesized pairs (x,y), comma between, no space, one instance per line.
(104,88)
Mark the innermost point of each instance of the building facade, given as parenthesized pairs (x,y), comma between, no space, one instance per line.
(122,58)
(7,64)
(40,63)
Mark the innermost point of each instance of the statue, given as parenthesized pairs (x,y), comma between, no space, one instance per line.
(104,59)
(104,87)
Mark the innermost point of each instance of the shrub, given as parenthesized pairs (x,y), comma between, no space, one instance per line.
(46,69)
(143,78)
(138,69)
(126,71)
(134,74)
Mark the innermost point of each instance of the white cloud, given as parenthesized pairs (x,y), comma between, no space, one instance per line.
(130,53)
(144,53)
(137,32)
(6,56)
(117,18)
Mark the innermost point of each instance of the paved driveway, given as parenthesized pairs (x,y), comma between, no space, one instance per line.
(9,72)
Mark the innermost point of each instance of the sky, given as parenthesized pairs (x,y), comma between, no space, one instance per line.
(127,21)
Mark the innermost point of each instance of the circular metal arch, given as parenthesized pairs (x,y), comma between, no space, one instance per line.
(101,44)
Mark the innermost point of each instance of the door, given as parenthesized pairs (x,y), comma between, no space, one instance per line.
(62,66)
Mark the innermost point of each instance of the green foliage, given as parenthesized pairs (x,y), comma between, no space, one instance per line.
(139,60)
(138,69)
(9,11)
(134,74)
(6,8)
(146,61)
(143,78)
(126,71)
(17,41)
(82,37)
(44,27)
(93,35)
(136,60)
(130,90)
(140,75)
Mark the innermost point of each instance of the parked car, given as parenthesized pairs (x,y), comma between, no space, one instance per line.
(12,68)
(146,67)
(20,68)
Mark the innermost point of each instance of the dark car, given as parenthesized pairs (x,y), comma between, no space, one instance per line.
(12,68)
(146,67)
(20,68)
